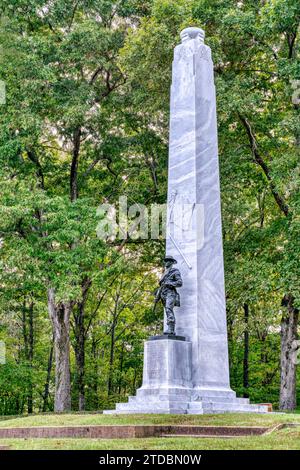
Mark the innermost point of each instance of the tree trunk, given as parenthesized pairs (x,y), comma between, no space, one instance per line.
(47,383)
(60,318)
(246,352)
(114,323)
(111,359)
(80,364)
(288,366)
(80,336)
(121,368)
(30,356)
(134,381)
(28,337)
(95,356)
(74,165)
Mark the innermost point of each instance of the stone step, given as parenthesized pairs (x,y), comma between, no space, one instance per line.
(196,405)
(203,393)
(163,394)
(172,406)
(132,399)
(158,398)
(227,406)
(158,406)
(195,411)
(219,399)
(212,399)
(222,411)
(199,435)
(243,400)
(231,407)
(146,411)
(166,404)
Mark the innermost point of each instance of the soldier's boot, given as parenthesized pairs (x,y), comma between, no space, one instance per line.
(170,329)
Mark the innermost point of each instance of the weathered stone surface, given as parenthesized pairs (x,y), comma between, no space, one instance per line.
(167,365)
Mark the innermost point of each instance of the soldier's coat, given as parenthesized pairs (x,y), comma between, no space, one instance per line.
(169,281)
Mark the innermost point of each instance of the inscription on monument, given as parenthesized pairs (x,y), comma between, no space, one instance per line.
(157,369)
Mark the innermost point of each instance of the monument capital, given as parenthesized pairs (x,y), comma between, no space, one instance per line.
(192,33)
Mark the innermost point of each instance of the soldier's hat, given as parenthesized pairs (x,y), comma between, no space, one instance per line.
(170,258)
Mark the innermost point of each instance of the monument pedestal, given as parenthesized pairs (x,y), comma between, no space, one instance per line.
(167,386)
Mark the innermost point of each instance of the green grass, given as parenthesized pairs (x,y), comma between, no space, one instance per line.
(287,439)
(230,419)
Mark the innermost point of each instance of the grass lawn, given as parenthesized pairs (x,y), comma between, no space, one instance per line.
(288,438)
(73,419)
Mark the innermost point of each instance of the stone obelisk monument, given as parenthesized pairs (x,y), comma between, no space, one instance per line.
(195,227)
(190,373)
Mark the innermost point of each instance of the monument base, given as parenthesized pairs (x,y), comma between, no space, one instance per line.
(167,387)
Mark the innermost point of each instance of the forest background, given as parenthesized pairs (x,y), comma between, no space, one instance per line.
(84,119)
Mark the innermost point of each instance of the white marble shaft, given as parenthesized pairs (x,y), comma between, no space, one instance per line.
(194,235)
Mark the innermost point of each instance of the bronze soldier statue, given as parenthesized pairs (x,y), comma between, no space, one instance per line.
(167,292)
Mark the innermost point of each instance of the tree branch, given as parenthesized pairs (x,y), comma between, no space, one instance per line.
(74,165)
(260,161)
(39,170)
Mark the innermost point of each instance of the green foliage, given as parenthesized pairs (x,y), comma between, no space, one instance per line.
(101,70)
